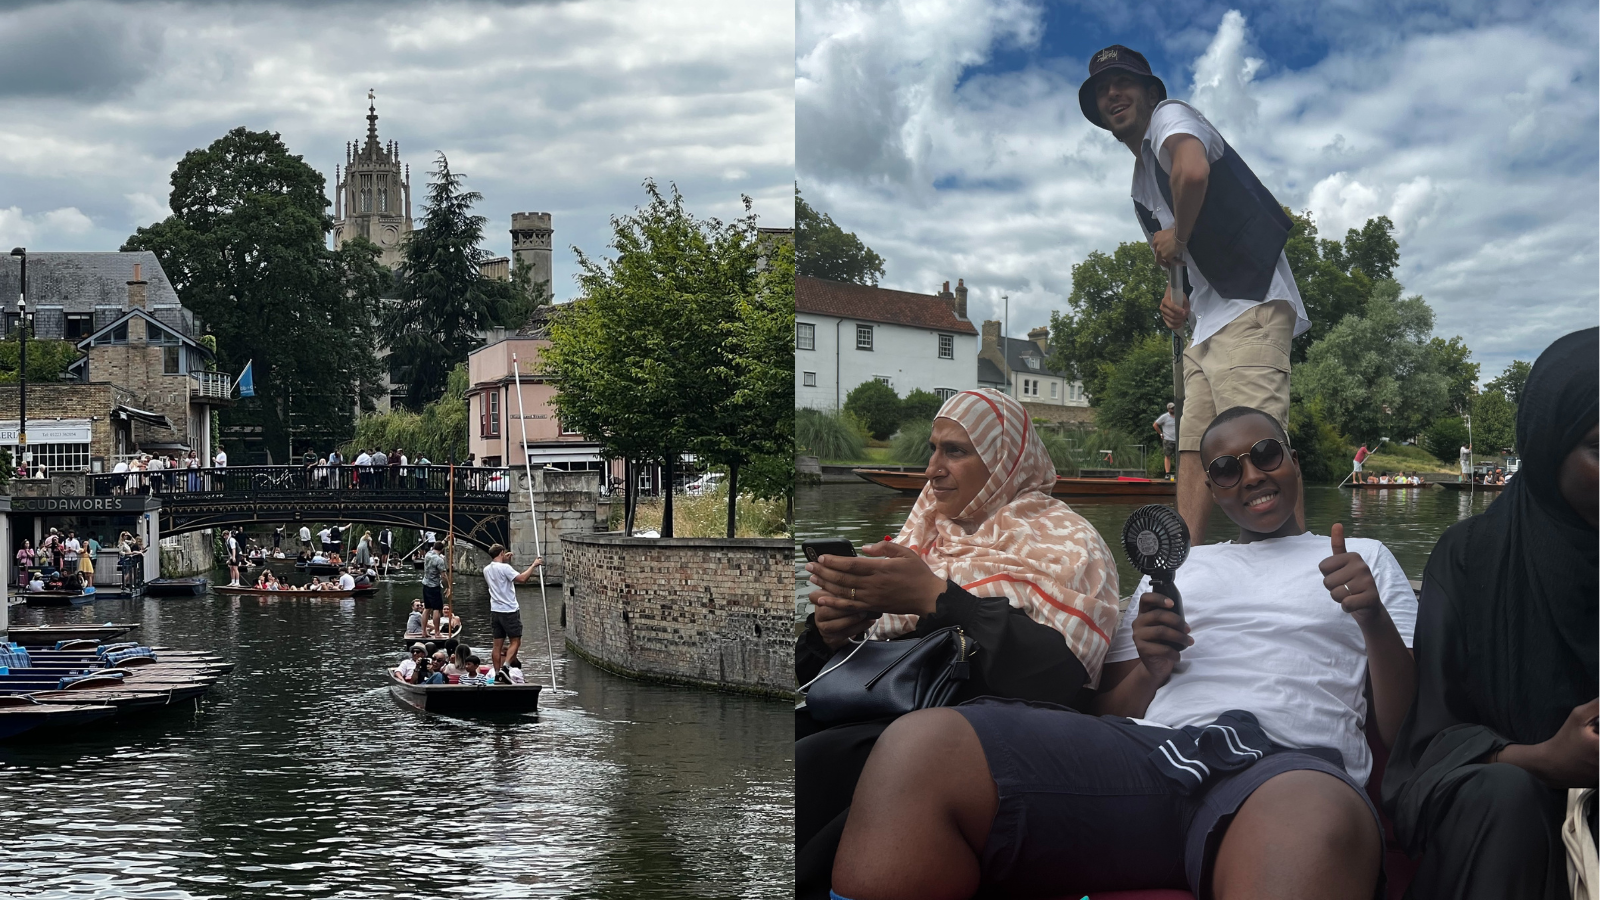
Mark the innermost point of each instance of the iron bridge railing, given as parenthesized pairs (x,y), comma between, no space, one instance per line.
(393,482)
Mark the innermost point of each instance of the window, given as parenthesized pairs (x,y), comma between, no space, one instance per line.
(808,379)
(77,325)
(1033,362)
(170,363)
(945,393)
(383,199)
(1054,388)
(863,337)
(885,379)
(489,414)
(157,335)
(805,336)
(56,457)
(564,429)
(947,346)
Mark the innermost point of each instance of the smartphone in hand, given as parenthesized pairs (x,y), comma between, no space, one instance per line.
(826,547)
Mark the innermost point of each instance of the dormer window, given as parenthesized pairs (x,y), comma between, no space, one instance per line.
(1032,361)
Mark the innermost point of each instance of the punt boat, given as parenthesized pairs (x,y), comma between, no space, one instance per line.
(176,587)
(286,592)
(58,598)
(467,699)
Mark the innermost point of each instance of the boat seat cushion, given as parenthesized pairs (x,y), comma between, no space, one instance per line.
(14,657)
(120,656)
(86,676)
(113,648)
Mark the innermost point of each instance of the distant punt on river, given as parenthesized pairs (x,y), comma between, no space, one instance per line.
(912,482)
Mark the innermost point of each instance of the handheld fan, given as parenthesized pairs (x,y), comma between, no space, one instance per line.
(1157,543)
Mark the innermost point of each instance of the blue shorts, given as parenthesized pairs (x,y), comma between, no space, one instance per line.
(1082,808)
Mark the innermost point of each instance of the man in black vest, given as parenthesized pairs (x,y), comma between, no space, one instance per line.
(1202,209)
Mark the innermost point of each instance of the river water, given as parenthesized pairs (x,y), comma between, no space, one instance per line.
(1409,522)
(299,776)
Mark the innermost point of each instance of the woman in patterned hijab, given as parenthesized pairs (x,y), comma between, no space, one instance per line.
(986,547)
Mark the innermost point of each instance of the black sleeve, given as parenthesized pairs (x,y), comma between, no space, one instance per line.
(1019,658)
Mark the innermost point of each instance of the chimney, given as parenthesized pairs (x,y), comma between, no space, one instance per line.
(1041,336)
(961,298)
(136,289)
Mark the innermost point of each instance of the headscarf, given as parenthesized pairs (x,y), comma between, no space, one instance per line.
(1025,545)
(1506,632)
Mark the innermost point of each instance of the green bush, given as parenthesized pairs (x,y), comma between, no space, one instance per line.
(1082,446)
(909,446)
(1138,388)
(877,406)
(1445,438)
(829,435)
(1060,452)
(920,405)
(1324,454)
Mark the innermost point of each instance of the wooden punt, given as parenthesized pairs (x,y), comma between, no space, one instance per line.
(1387,487)
(50,635)
(1464,485)
(912,482)
(24,716)
(176,587)
(261,592)
(58,598)
(317,568)
(467,699)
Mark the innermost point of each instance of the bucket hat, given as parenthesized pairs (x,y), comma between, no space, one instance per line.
(1115,58)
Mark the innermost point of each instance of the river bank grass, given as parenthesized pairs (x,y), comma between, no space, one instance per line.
(706,516)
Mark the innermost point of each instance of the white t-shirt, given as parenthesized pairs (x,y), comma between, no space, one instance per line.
(502,581)
(407,667)
(220,460)
(364,459)
(1269,639)
(347,582)
(325,536)
(1466,460)
(305,534)
(1169,426)
(1211,310)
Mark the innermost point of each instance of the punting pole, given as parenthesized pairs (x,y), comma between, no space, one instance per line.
(533,511)
(1175,286)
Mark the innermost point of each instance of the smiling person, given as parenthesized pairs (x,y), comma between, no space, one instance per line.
(1504,724)
(1202,208)
(986,547)
(1233,767)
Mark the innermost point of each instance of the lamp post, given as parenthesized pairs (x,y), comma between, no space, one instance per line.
(22,395)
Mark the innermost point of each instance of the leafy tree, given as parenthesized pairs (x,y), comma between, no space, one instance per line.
(1373,373)
(47,359)
(445,303)
(920,406)
(246,249)
(1138,389)
(1510,381)
(438,432)
(824,250)
(1324,455)
(1449,358)
(1445,437)
(644,360)
(876,405)
(1336,279)
(1115,304)
(1494,422)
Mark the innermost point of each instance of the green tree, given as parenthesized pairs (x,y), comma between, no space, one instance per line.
(1373,373)
(1449,358)
(1494,422)
(643,360)
(246,249)
(1336,279)
(1138,389)
(1324,454)
(824,250)
(445,303)
(47,359)
(876,405)
(1510,381)
(1115,304)
(437,433)
(920,406)
(1445,437)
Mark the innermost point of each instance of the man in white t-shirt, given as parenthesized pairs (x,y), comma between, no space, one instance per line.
(347,581)
(305,537)
(325,537)
(1229,748)
(1202,209)
(1167,426)
(1466,462)
(505,616)
(220,460)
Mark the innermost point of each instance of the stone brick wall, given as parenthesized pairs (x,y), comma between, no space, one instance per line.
(709,612)
(62,400)
(190,553)
(137,367)
(1068,415)
(568,503)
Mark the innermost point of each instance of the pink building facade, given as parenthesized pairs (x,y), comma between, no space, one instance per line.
(498,418)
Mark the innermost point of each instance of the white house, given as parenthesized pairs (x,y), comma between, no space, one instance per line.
(846,334)
(1022,372)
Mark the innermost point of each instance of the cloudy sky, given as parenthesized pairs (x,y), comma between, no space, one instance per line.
(561,107)
(947,135)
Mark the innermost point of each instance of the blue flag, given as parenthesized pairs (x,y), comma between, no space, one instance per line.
(247,381)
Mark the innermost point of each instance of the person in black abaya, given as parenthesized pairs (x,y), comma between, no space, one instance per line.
(1504,719)
(986,548)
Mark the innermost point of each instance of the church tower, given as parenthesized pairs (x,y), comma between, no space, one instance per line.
(530,244)
(372,196)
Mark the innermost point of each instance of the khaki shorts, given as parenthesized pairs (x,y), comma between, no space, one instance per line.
(1244,364)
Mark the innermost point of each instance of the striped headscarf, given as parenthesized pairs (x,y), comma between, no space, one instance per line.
(1025,545)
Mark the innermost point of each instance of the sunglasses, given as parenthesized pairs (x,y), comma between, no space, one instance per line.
(1267,455)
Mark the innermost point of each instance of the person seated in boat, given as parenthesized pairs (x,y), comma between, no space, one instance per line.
(1504,721)
(986,548)
(414,623)
(514,672)
(273,584)
(36,583)
(447,622)
(319,558)
(440,661)
(1384,478)
(334,560)
(458,663)
(261,580)
(1228,755)
(363,579)
(473,673)
(347,582)
(408,666)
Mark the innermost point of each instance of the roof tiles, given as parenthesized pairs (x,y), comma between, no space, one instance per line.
(872,304)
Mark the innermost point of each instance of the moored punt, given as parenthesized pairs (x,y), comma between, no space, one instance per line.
(912,482)
(317,568)
(24,716)
(291,592)
(1387,487)
(58,598)
(50,635)
(467,699)
(176,587)
(1469,485)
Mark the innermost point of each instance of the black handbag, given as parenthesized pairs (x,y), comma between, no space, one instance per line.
(883,679)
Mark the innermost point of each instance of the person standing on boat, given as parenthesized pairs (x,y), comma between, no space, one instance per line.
(1167,426)
(1203,209)
(1466,462)
(433,568)
(505,613)
(230,549)
(305,537)
(385,546)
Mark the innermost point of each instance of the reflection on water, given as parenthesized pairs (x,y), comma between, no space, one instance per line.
(301,777)
(1408,521)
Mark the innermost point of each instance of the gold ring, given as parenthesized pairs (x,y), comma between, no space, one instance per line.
(1347,591)
(852,593)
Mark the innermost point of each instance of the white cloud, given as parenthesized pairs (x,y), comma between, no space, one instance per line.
(17,229)
(1476,141)
(557,107)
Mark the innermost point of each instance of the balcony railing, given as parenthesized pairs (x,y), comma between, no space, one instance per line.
(294,479)
(212,385)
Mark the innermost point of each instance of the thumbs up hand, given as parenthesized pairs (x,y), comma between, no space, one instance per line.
(1349,581)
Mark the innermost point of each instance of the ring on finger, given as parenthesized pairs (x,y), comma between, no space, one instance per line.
(852,593)
(1347,591)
